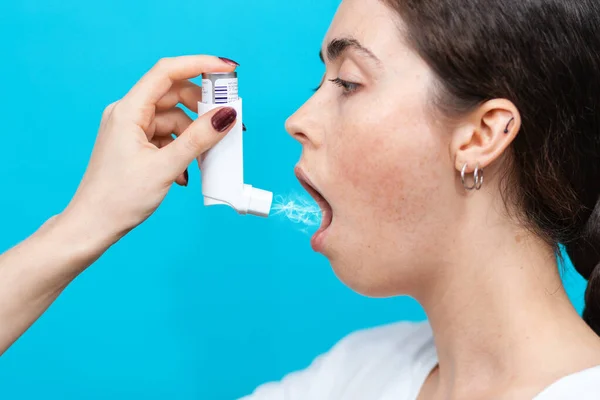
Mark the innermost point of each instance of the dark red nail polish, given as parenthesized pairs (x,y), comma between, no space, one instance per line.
(229,61)
(223,119)
(186,177)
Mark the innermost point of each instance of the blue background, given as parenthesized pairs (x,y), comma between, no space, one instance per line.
(198,303)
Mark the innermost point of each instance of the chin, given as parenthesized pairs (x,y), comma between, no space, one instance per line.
(364,278)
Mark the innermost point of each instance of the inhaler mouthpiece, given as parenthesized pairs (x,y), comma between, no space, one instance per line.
(223,166)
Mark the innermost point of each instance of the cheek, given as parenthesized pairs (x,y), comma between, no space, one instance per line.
(388,196)
(390,167)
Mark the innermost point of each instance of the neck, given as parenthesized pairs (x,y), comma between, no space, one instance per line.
(501,312)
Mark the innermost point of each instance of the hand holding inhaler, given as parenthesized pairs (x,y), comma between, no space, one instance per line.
(135,159)
(134,163)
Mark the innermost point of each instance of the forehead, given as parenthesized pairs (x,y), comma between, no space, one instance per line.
(371,22)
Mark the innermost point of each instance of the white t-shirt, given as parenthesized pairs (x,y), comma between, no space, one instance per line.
(391,363)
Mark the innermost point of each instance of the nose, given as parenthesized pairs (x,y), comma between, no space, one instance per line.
(303,125)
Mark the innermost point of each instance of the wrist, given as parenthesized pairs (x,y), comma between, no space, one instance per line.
(81,236)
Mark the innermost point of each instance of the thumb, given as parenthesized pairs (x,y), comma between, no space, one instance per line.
(200,136)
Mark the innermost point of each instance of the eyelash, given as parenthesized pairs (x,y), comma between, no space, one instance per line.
(349,87)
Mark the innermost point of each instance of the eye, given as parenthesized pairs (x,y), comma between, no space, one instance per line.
(349,87)
(320,84)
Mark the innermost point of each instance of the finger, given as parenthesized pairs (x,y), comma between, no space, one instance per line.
(183,179)
(173,121)
(184,92)
(161,141)
(164,141)
(157,82)
(199,137)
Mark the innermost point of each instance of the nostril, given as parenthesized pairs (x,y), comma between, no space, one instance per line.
(294,129)
(301,137)
(302,128)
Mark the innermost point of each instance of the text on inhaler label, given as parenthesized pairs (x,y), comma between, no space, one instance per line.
(225,91)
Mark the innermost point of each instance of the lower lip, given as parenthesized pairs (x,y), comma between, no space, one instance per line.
(317,242)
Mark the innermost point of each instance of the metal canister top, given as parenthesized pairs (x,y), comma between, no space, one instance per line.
(219,87)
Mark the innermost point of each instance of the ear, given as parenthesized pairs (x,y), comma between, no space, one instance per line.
(485,134)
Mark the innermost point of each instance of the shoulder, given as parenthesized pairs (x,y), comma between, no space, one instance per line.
(364,364)
(582,385)
(404,339)
(369,362)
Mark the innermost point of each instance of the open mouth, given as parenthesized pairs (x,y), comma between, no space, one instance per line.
(326,210)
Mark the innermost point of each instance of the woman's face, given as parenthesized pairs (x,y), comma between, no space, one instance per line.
(371,148)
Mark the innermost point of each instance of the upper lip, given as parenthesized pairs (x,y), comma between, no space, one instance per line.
(309,186)
(326,210)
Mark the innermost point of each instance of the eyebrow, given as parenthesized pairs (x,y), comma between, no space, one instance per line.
(338,46)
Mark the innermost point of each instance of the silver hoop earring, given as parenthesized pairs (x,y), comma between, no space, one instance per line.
(477,177)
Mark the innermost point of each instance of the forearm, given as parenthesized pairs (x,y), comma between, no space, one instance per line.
(36,271)
(134,163)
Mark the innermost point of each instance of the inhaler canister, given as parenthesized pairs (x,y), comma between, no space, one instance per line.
(223,166)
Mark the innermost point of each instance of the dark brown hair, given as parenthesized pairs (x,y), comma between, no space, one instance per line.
(544,56)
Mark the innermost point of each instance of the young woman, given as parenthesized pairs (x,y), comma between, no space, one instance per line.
(419,98)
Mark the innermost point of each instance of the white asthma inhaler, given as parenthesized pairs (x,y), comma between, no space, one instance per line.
(222,166)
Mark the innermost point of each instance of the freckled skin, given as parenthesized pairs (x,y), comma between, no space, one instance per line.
(379,158)
(403,224)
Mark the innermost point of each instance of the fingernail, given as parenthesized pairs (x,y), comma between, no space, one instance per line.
(244,127)
(187,177)
(223,119)
(229,61)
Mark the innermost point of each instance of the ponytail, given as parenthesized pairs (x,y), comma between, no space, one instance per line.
(585,256)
